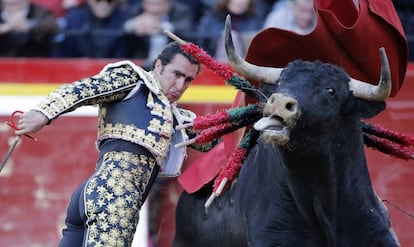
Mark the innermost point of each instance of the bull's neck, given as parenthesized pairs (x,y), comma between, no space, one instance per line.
(316,178)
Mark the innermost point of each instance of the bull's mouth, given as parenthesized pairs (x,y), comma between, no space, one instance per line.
(274,130)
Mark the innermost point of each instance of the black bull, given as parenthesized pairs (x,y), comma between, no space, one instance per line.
(306,182)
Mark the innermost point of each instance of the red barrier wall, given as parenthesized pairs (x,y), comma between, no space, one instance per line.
(35,186)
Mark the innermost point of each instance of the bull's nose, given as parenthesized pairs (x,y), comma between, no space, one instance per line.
(282,105)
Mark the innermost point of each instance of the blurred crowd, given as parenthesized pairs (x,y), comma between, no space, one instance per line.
(405,9)
(134,28)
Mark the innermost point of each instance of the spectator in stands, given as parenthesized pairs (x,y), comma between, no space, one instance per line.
(264,7)
(245,23)
(405,10)
(294,15)
(149,19)
(197,7)
(93,30)
(58,7)
(26,29)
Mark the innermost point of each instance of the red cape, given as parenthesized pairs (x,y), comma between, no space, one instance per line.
(344,36)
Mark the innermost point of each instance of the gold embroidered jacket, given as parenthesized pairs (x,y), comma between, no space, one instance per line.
(119,82)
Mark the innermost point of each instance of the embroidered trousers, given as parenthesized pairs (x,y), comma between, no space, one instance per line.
(104,210)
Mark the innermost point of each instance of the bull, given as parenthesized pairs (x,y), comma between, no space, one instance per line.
(306,181)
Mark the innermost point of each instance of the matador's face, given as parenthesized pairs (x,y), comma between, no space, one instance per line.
(176,76)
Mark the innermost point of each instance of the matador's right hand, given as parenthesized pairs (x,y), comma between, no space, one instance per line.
(30,122)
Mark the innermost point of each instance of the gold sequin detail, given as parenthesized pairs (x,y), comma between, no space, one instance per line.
(110,85)
(114,196)
(157,142)
(155,137)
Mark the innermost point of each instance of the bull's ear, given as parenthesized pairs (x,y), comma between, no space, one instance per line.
(368,109)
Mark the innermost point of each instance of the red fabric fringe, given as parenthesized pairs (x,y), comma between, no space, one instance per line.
(391,148)
(213,133)
(202,57)
(231,168)
(204,122)
(395,136)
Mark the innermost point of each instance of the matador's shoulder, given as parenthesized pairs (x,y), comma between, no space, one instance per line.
(130,67)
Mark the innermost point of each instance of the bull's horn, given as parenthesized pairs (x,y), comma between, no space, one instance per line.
(371,92)
(249,71)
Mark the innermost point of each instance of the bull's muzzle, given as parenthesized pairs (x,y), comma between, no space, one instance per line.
(282,106)
(280,114)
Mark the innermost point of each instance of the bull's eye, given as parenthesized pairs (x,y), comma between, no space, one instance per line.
(330,91)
